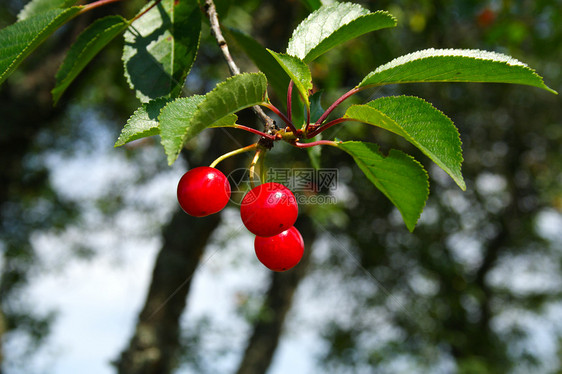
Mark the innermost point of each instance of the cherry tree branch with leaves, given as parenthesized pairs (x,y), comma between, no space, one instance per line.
(175,30)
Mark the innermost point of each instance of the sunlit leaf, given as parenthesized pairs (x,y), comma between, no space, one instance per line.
(160,48)
(184,118)
(454,65)
(174,119)
(143,123)
(333,25)
(177,124)
(35,7)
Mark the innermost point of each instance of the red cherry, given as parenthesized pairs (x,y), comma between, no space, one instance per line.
(269,209)
(486,17)
(282,251)
(203,191)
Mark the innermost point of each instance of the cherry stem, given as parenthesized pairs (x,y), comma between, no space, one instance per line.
(318,142)
(281,115)
(254,131)
(233,153)
(336,103)
(253,166)
(326,126)
(211,12)
(290,101)
(262,168)
(98,4)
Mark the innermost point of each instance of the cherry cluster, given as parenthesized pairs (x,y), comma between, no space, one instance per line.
(269,211)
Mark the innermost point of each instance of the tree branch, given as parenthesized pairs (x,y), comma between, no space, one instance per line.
(154,347)
(211,12)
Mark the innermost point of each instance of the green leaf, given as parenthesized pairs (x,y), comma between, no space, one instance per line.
(160,48)
(143,123)
(177,124)
(35,7)
(174,120)
(298,110)
(276,75)
(399,176)
(266,63)
(312,5)
(183,119)
(454,65)
(314,153)
(236,93)
(421,124)
(298,71)
(316,109)
(18,40)
(228,121)
(88,44)
(333,25)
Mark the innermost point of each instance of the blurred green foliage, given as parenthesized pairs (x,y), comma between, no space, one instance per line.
(448,296)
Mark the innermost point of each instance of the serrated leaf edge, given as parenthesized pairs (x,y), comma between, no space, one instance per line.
(314,14)
(128,76)
(120,141)
(302,90)
(306,58)
(22,13)
(172,157)
(458,153)
(477,54)
(4,74)
(219,85)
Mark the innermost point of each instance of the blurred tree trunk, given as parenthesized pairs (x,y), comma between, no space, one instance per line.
(26,110)
(278,300)
(155,343)
(2,330)
(267,331)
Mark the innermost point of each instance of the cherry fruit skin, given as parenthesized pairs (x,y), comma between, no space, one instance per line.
(269,209)
(203,191)
(282,251)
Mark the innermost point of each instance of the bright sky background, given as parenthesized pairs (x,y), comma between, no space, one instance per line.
(98,300)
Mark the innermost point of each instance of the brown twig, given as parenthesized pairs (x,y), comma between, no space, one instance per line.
(281,115)
(257,132)
(211,12)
